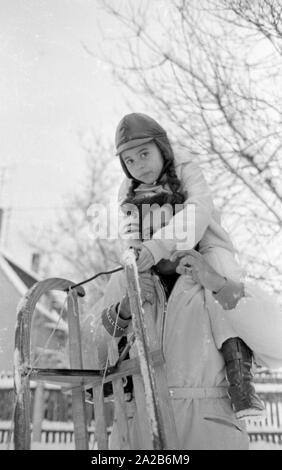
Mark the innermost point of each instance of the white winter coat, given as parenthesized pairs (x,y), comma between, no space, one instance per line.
(186,330)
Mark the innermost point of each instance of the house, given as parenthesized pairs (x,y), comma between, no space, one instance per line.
(49,331)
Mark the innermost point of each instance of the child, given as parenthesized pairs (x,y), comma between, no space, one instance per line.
(155,175)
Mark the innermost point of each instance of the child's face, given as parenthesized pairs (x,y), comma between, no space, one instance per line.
(144,162)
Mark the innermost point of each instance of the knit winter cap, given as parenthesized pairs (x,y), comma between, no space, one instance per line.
(136,129)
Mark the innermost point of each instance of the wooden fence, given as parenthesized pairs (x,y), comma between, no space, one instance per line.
(57,424)
(270,429)
(57,404)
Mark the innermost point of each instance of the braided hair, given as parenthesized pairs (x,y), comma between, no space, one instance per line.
(168,175)
(178,196)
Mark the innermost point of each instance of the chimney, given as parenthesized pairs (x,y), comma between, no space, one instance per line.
(35,262)
(1,222)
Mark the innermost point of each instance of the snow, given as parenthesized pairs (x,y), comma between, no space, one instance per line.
(44,446)
(260,445)
(268,387)
(59,432)
(47,425)
(7,383)
(17,364)
(263,445)
(56,427)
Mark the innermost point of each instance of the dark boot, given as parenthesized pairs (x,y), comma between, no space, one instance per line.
(238,360)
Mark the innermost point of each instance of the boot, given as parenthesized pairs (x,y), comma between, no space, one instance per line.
(238,360)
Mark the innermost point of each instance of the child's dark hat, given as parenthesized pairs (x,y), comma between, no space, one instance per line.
(136,129)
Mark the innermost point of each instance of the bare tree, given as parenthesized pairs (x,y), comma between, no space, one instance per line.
(69,247)
(210,72)
(259,16)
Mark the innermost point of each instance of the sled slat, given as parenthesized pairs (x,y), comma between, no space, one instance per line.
(101,435)
(119,401)
(86,376)
(149,418)
(22,374)
(141,407)
(164,399)
(78,395)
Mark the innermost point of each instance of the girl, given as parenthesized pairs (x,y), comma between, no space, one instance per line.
(148,161)
(206,305)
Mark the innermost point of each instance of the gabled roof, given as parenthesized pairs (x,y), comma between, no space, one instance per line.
(22,279)
(27,276)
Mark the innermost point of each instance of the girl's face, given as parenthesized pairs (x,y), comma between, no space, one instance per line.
(144,162)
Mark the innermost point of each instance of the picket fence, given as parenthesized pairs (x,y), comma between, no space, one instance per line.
(57,426)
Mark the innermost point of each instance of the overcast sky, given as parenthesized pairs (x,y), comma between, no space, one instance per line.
(51,90)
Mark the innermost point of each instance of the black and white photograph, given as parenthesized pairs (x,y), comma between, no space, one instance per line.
(141,228)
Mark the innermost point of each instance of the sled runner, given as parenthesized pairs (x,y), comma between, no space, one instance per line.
(146,365)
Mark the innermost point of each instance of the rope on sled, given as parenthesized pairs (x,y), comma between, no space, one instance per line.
(94,277)
(115,270)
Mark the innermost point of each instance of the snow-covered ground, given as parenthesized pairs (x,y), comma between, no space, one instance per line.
(57,427)
(262,445)
(54,430)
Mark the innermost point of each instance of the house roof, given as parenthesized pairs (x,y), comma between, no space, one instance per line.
(22,279)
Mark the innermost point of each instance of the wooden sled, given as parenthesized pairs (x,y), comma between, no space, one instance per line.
(152,404)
